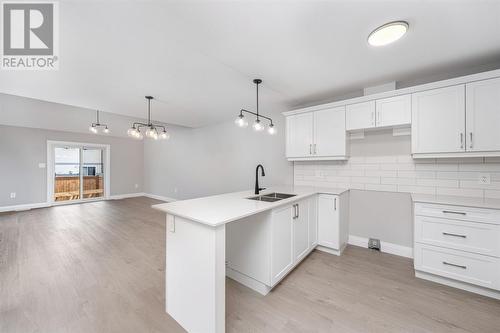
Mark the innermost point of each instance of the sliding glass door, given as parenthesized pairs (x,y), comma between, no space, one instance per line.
(78,171)
(93,173)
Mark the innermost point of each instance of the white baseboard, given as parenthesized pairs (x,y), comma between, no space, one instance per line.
(386,247)
(458,284)
(127,195)
(159,197)
(24,207)
(247,281)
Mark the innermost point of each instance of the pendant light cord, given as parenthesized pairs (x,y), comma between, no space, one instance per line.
(98,123)
(257,101)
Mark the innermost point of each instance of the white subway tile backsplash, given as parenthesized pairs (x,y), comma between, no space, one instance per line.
(476,184)
(381,187)
(417,189)
(401,173)
(381,173)
(459,192)
(492,194)
(438,182)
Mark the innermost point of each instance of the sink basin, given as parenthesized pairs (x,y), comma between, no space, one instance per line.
(272,197)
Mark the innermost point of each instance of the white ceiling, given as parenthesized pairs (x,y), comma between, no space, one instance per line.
(198,57)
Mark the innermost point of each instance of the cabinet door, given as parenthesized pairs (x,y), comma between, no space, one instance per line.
(281,242)
(299,131)
(328,221)
(438,120)
(313,221)
(360,115)
(301,230)
(329,132)
(483,115)
(393,111)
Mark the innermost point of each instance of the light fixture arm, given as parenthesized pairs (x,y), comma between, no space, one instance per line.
(256,114)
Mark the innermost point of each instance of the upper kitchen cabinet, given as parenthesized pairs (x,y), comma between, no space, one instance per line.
(393,111)
(360,116)
(318,135)
(385,112)
(299,135)
(438,121)
(483,116)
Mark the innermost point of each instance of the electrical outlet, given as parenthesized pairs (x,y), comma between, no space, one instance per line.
(484,178)
(13,195)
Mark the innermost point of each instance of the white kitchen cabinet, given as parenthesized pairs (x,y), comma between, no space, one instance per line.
(329,132)
(281,242)
(438,124)
(360,116)
(313,221)
(333,229)
(458,246)
(299,134)
(316,135)
(300,221)
(483,115)
(393,111)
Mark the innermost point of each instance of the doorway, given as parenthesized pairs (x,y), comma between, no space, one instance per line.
(77,172)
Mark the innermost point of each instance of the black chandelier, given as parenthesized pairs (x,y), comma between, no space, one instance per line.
(94,128)
(257,125)
(153,131)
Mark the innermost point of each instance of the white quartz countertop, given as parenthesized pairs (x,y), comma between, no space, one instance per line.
(224,208)
(457,201)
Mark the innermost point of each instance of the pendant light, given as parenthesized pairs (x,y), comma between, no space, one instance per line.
(257,125)
(152,131)
(94,128)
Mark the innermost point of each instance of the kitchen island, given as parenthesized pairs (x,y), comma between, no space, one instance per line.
(255,242)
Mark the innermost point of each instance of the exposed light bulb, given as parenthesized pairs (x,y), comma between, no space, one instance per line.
(154,135)
(241,121)
(93,129)
(271,129)
(257,126)
(106,130)
(138,135)
(132,132)
(164,135)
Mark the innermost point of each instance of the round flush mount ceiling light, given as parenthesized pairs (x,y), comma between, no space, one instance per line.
(388,33)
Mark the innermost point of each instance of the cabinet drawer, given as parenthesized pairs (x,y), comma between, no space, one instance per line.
(458,213)
(467,267)
(481,238)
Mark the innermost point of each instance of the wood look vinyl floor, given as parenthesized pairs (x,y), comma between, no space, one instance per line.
(99,267)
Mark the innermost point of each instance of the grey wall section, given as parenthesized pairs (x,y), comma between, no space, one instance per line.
(21,149)
(214,159)
(383,215)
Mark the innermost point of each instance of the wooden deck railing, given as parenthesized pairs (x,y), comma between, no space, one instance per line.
(68,187)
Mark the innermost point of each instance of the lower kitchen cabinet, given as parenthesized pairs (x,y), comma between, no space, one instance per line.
(282,241)
(458,246)
(333,225)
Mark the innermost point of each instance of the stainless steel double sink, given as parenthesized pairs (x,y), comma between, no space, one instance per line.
(272,197)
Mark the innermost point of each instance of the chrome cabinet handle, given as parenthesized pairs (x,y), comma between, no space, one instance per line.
(461,140)
(454,235)
(373,118)
(294,212)
(298,211)
(378,118)
(470,140)
(454,265)
(314,149)
(335,203)
(310,149)
(452,212)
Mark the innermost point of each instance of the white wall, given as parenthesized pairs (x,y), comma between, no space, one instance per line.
(214,159)
(22,148)
(381,162)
